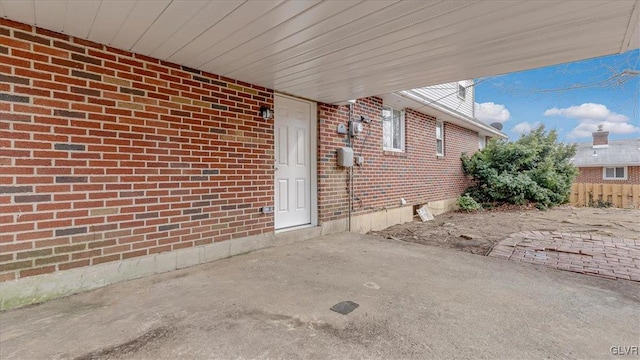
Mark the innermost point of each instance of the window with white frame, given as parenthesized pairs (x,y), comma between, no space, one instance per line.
(392,129)
(439,138)
(482,141)
(462,91)
(614,173)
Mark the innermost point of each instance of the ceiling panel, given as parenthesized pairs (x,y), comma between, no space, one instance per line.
(344,36)
(441,50)
(191,28)
(389,47)
(439,44)
(235,21)
(170,21)
(326,26)
(109,20)
(332,51)
(300,28)
(263,24)
(79,18)
(48,13)
(19,9)
(141,17)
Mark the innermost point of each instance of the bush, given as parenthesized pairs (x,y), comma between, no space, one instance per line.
(466,203)
(535,168)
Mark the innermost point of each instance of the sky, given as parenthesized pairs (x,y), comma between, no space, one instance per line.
(573,98)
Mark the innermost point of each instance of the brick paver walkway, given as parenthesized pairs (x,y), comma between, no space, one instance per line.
(597,255)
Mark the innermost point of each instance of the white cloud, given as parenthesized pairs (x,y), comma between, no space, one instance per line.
(587,127)
(591,115)
(490,112)
(524,127)
(588,111)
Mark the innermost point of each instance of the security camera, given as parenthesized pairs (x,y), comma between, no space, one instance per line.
(365,119)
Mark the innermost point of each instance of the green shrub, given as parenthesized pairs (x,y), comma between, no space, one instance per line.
(466,203)
(535,168)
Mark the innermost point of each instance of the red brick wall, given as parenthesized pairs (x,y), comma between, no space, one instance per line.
(107,155)
(593,175)
(417,175)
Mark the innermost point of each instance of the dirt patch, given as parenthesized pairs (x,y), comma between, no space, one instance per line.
(477,233)
(129,348)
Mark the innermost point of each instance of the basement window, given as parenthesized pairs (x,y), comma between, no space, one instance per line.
(392,129)
(614,173)
(439,138)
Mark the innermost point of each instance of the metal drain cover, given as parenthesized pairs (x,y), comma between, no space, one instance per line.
(344,307)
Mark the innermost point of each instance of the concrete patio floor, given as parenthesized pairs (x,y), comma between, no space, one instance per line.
(415,302)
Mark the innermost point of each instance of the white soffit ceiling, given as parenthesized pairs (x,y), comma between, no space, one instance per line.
(332,51)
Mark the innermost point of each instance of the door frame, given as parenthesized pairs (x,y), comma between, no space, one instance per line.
(313,159)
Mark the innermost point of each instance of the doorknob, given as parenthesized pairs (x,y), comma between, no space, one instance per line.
(275,165)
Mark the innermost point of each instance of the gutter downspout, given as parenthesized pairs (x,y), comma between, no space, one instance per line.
(350,171)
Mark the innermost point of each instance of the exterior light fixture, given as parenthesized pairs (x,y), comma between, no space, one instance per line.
(266,112)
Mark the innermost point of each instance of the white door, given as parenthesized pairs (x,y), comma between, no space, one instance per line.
(293,162)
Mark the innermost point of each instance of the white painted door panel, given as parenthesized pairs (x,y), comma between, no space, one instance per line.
(293,162)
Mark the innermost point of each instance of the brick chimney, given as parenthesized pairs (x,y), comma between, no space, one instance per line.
(600,137)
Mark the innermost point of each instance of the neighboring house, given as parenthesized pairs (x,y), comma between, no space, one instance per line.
(116,165)
(608,162)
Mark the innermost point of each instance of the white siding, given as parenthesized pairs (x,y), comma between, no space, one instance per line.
(446,95)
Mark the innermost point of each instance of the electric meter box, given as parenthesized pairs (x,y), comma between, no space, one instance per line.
(345,156)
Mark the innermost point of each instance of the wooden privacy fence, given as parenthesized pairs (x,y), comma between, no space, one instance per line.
(620,195)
